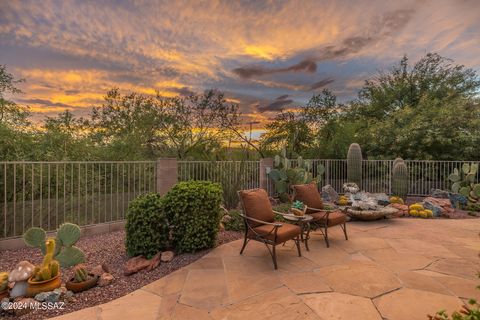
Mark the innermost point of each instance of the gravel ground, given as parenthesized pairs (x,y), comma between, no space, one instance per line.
(106,249)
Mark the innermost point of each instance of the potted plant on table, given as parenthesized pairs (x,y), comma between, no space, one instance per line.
(298,208)
(81,280)
(46,277)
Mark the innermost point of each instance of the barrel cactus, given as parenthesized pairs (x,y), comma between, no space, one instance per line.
(400,180)
(354,164)
(80,274)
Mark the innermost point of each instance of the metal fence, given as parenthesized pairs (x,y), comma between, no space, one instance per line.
(232,175)
(46,194)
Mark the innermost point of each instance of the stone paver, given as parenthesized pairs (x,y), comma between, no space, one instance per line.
(339,306)
(204,289)
(361,279)
(388,269)
(414,304)
(122,308)
(456,267)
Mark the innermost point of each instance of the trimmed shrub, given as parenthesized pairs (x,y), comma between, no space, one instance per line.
(193,209)
(147,229)
(235,223)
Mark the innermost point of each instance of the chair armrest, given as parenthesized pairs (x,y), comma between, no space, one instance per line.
(275,224)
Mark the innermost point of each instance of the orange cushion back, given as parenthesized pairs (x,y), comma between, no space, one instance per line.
(256,204)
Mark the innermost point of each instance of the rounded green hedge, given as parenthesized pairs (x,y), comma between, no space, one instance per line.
(193,209)
(147,230)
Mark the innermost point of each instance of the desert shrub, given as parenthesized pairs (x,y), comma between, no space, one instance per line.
(193,208)
(147,229)
(235,223)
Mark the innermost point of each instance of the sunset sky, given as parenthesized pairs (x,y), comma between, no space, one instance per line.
(265,55)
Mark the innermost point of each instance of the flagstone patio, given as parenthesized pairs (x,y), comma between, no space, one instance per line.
(391,269)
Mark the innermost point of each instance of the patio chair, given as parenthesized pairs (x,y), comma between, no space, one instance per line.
(260,225)
(322,219)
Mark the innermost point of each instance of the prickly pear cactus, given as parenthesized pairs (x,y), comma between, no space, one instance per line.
(463,182)
(400,180)
(354,164)
(64,251)
(69,234)
(70,256)
(35,237)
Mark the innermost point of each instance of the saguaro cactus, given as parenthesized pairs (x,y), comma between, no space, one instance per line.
(400,179)
(354,164)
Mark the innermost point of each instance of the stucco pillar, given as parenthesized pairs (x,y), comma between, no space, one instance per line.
(167,174)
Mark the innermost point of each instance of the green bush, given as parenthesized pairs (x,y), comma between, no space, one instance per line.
(235,223)
(193,208)
(147,229)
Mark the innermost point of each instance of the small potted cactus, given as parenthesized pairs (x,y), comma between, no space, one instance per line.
(3,285)
(81,280)
(46,277)
(298,208)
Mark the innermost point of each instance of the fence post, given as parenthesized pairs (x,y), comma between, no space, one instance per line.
(265,164)
(166,174)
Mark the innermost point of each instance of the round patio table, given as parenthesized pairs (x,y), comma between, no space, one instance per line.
(304,223)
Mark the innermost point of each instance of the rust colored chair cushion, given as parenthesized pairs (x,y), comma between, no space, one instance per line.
(256,204)
(286,232)
(334,218)
(309,195)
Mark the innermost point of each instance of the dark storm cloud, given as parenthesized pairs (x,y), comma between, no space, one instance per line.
(276,105)
(47,103)
(382,27)
(320,84)
(185,91)
(255,71)
(285,96)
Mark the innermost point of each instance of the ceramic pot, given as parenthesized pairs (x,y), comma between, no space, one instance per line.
(35,287)
(82,286)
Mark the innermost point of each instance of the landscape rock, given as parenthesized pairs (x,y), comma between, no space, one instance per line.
(402,208)
(382,198)
(167,256)
(457,200)
(437,193)
(42,296)
(350,187)
(439,207)
(329,194)
(105,279)
(135,264)
(391,212)
(98,270)
(155,261)
(54,296)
